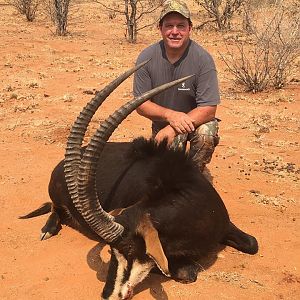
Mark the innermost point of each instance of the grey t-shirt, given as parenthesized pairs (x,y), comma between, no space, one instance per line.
(200,90)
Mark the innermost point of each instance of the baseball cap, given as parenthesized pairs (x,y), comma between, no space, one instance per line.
(175,6)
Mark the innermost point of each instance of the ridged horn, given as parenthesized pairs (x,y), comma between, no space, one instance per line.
(88,203)
(75,139)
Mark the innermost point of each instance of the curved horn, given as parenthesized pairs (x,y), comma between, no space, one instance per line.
(73,149)
(88,202)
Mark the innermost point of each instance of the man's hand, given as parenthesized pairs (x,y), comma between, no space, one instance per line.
(180,122)
(167,132)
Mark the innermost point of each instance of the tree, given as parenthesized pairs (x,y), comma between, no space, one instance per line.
(134,12)
(58,11)
(220,11)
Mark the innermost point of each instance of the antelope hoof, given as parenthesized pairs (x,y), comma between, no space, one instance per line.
(45,235)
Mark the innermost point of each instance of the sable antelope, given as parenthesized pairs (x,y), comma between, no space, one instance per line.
(163,211)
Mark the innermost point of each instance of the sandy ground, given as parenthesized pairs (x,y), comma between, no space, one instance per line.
(44,83)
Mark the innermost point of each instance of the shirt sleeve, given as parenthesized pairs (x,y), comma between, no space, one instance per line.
(207,87)
(142,80)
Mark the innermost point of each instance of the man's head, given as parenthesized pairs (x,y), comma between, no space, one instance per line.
(175,25)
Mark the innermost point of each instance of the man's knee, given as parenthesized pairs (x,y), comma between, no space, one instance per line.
(203,142)
(210,128)
(210,131)
(179,143)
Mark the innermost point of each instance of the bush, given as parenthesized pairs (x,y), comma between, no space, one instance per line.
(27,8)
(220,12)
(266,55)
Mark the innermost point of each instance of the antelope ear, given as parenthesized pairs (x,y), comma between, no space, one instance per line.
(154,248)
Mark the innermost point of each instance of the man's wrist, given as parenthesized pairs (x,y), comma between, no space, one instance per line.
(166,114)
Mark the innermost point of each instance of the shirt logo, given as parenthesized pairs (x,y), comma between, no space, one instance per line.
(183,87)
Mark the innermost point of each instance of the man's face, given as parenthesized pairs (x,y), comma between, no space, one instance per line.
(175,30)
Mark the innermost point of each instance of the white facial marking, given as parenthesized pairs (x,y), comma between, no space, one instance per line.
(122,265)
(139,272)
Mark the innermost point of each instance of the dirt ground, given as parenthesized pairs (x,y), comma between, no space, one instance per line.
(46,80)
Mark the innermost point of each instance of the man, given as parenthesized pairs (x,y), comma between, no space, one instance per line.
(186,111)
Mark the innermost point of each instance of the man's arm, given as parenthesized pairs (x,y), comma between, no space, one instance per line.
(203,114)
(178,122)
